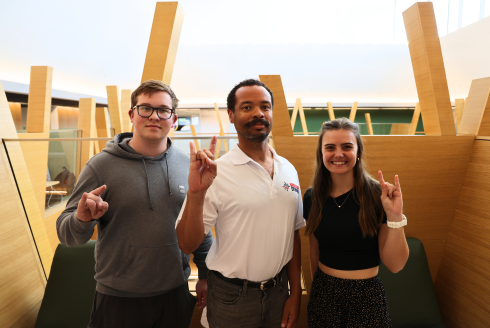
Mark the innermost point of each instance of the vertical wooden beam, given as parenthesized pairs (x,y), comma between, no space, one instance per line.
(369,124)
(331,114)
(16,111)
(302,117)
(475,107)
(428,68)
(164,41)
(294,114)
(114,104)
(125,107)
(353,112)
(221,134)
(39,102)
(459,104)
(102,125)
(415,119)
(194,134)
(282,125)
(86,123)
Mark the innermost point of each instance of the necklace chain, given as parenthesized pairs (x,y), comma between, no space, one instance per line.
(343,201)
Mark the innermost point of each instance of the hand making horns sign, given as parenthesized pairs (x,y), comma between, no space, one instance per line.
(91,206)
(391,196)
(203,168)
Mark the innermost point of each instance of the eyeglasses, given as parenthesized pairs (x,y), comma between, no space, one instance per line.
(147,111)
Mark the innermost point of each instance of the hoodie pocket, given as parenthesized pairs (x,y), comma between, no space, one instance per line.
(151,269)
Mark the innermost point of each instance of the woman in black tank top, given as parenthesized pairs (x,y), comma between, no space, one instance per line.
(347,213)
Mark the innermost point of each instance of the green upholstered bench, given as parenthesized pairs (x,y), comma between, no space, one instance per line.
(411,297)
(69,294)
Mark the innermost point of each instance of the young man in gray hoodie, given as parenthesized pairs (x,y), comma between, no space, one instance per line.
(133,191)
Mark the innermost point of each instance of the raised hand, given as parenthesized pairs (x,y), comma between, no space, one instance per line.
(91,206)
(203,168)
(391,198)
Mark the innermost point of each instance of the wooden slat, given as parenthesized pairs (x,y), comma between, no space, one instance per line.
(428,68)
(331,113)
(302,117)
(125,107)
(415,119)
(86,123)
(221,133)
(353,112)
(16,111)
(194,134)
(294,114)
(463,280)
(459,104)
(102,125)
(429,195)
(39,103)
(369,124)
(164,41)
(474,107)
(400,129)
(21,274)
(282,123)
(114,104)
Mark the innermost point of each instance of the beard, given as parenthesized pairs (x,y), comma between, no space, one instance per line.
(256,137)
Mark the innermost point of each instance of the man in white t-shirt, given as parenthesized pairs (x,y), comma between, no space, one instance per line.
(252,197)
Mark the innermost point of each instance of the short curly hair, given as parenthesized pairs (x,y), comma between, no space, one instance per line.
(150,87)
(231,99)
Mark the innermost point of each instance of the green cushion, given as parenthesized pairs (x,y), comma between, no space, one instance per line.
(411,297)
(70,290)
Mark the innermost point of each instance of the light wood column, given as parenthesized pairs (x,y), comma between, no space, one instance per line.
(459,104)
(281,125)
(164,41)
(125,107)
(221,134)
(353,112)
(369,124)
(16,111)
(39,103)
(102,125)
(114,104)
(428,68)
(415,119)
(86,123)
(331,114)
(474,108)
(194,134)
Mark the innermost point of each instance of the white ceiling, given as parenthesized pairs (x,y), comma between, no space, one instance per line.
(339,51)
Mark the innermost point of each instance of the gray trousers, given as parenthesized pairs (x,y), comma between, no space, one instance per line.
(229,305)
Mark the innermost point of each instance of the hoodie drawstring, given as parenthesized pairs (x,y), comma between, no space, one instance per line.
(148,184)
(168,176)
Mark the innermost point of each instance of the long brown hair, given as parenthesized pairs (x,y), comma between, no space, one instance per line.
(367,189)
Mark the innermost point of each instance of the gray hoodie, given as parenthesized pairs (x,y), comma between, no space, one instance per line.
(137,252)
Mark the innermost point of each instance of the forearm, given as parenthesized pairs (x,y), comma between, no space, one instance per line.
(200,256)
(190,230)
(294,267)
(73,232)
(395,250)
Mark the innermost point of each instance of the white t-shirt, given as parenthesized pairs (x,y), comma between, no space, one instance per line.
(255,216)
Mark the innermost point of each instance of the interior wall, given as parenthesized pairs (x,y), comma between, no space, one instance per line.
(463,280)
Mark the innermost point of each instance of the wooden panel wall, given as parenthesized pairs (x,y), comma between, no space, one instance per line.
(102,125)
(463,281)
(430,195)
(428,68)
(475,105)
(67,117)
(125,106)
(39,103)
(282,123)
(21,275)
(164,41)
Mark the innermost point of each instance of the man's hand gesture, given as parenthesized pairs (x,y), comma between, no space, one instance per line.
(91,206)
(203,168)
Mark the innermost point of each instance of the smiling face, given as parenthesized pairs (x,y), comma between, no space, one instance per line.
(152,128)
(340,151)
(253,113)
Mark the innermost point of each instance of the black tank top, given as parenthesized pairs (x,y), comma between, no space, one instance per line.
(340,239)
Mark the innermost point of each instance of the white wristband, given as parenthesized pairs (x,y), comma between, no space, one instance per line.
(396,225)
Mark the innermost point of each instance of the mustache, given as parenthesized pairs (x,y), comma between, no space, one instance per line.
(258,120)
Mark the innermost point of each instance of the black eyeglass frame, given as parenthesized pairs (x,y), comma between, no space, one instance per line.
(153,109)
